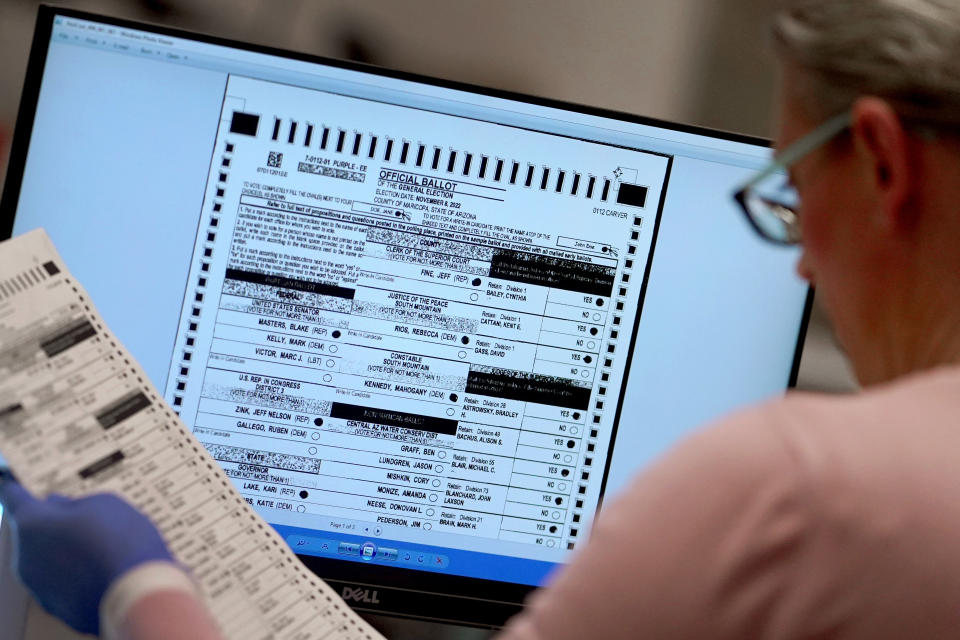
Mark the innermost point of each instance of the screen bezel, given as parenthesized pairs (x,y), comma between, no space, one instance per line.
(399,592)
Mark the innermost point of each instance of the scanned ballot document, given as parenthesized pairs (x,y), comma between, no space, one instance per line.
(437,309)
(79,416)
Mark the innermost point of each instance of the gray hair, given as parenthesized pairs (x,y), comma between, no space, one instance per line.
(907,51)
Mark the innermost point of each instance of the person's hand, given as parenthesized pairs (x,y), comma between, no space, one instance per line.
(68,551)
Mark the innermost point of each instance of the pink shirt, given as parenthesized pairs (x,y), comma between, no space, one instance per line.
(809,517)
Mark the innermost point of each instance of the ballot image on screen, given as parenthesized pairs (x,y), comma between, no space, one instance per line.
(411,320)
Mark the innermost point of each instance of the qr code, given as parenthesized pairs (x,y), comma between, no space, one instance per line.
(275,159)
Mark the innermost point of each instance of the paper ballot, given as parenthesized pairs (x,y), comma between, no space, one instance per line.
(78,416)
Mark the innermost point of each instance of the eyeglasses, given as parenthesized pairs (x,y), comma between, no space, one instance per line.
(769,200)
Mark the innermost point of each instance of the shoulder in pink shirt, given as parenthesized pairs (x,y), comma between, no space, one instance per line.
(809,517)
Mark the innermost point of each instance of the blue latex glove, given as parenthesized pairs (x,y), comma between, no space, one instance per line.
(68,552)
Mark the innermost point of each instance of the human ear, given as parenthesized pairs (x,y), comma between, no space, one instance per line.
(883,145)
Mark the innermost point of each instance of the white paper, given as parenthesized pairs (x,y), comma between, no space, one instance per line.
(78,416)
(356,259)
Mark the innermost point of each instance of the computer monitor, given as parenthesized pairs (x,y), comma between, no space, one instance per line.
(424,326)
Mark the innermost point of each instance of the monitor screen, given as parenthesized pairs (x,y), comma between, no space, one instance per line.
(424,326)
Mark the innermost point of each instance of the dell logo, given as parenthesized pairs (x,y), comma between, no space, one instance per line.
(360,595)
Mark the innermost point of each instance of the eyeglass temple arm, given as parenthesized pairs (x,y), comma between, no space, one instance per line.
(802,147)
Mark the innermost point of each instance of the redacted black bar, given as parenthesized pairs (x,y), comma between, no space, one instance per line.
(528,387)
(633,195)
(73,334)
(125,407)
(391,418)
(10,410)
(545,271)
(101,465)
(245,124)
(283,282)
